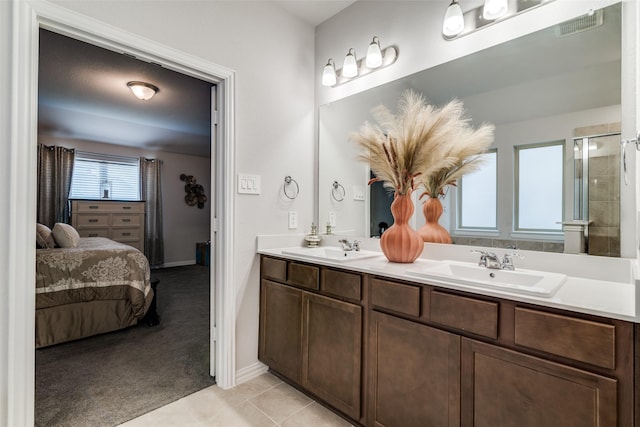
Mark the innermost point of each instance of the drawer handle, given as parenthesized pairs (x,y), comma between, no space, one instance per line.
(93,234)
(93,207)
(126,207)
(93,220)
(126,234)
(126,220)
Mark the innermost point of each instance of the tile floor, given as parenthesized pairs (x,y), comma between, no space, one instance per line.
(265,401)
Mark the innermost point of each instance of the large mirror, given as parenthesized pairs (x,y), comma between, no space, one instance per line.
(559,85)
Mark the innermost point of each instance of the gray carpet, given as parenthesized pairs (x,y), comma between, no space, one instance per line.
(111,378)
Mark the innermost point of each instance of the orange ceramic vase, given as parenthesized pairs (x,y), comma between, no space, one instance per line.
(432,231)
(401,243)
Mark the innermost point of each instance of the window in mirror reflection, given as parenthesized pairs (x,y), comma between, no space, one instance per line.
(477,195)
(538,191)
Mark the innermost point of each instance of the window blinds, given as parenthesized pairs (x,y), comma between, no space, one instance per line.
(101,176)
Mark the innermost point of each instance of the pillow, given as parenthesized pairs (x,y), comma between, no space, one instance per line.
(65,235)
(44,238)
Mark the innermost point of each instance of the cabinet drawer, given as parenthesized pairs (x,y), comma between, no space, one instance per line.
(126,234)
(105,206)
(578,339)
(275,269)
(342,284)
(396,296)
(94,232)
(467,314)
(86,220)
(118,220)
(303,275)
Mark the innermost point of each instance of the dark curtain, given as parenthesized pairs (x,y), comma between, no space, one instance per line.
(150,177)
(55,168)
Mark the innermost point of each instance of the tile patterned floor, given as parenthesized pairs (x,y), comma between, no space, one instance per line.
(265,401)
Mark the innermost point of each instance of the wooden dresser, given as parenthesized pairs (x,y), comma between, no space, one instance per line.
(122,221)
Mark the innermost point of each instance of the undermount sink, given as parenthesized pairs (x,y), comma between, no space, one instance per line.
(529,282)
(330,253)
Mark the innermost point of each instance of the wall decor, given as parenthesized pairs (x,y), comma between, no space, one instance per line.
(195,192)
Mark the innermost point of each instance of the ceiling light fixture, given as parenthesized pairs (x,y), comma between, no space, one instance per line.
(142,90)
(329,77)
(453,23)
(374,54)
(350,66)
(494,9)
(376,58)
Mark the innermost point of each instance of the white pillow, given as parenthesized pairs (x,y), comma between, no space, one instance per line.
(44,238)
(65,235)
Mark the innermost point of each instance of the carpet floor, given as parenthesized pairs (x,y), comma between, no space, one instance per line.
(111,378)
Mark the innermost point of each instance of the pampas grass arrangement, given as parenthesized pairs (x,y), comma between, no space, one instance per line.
(423,144)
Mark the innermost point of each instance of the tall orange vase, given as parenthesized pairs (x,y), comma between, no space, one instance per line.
(401,243)
(432,231)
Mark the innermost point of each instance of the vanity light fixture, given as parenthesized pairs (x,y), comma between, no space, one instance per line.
(374,54)
(329,73)
(142,90)
(453,23)
(494,9)
(352,68)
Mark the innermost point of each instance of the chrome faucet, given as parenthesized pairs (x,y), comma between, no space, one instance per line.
(348,246)
(490,260)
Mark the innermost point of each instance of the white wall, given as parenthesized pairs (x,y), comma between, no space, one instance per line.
(183,225)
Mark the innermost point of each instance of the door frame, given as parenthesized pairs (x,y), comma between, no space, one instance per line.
(28,16)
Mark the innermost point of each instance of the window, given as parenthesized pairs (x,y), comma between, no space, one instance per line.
(477,195)
(538,192)
(100,176)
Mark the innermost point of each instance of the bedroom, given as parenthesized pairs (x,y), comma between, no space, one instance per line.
(86,107)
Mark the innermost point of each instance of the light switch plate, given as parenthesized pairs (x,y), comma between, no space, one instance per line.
(248,184)
(358,192)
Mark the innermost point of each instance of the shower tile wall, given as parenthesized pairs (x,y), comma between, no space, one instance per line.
(604,190)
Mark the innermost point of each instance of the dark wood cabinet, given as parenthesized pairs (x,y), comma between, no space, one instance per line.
(414,374)
(280,345)
(332,345)
(505,388)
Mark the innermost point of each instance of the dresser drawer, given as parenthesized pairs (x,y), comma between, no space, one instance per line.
(126,220)
(126,234)
(275,269)
(396,296)
(94,232)
(106,206)
(139,245)
(92,220)
(467,314)
(303,275)
(341,284)
(578,339)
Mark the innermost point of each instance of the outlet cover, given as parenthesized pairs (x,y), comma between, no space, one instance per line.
(293,220)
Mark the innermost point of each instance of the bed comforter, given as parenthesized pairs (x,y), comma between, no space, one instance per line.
(98,269)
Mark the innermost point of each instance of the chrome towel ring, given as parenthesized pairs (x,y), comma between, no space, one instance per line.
(338,192)
(289,184)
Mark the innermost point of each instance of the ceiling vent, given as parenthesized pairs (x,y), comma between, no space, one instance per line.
(580,24)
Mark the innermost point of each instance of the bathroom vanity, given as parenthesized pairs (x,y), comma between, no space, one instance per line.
(384,348)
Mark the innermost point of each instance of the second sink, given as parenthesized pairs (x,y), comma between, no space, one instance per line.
(330,253)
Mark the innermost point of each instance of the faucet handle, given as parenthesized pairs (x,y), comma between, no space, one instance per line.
(356,245)
(507,261)
(483,256)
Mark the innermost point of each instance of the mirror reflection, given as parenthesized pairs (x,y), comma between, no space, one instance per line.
(554,97)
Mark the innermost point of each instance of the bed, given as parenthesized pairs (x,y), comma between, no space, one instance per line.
(99,286)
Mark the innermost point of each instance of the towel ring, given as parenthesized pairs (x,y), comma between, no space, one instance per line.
(338,192)
(287,182)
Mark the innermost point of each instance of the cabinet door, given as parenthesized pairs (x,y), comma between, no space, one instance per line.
(505,388)
(332,343)
(414,374)
(280,345)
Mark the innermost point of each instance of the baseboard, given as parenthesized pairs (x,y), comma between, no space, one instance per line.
(250,372)
(178,263)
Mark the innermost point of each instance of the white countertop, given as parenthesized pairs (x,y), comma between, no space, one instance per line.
(590,295)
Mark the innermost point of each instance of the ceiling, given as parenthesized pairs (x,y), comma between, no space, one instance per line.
(83,93)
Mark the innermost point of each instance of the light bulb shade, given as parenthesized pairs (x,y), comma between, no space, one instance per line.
(494,9)
(350,66)
(453,23)
(143,91)
(374,55)
(329,74)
